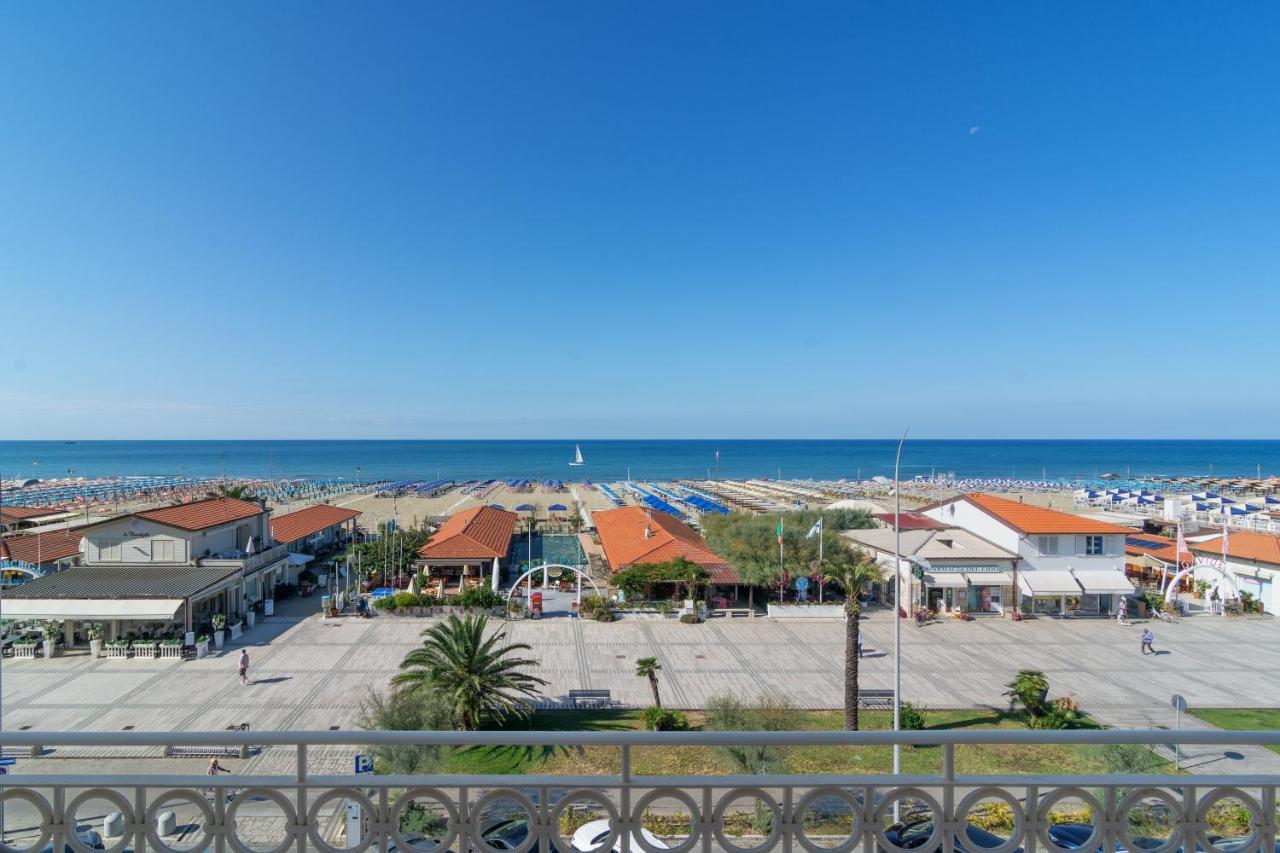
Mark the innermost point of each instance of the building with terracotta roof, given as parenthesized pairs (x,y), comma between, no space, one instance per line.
(469,545)
(1254,559)
(1066,564)
(314,528)
(34,554)
(15,518)
(634,536)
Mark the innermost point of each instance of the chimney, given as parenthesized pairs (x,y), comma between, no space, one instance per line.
(648,532)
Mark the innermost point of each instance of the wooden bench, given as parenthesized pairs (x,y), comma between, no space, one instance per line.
(590,698)
(875,699)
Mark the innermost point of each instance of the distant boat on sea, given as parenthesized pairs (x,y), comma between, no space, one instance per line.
(577,456)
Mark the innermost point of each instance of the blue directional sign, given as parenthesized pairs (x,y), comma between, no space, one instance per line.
(364,764)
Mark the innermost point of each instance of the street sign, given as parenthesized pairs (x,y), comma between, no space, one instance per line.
(8,762)
(1178,702)
(364,764)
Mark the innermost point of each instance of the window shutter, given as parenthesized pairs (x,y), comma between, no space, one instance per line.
(1080,546)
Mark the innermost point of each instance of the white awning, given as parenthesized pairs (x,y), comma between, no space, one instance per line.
(300,559)
(1047,582)
(1104,581)
(143,609)
(990,578)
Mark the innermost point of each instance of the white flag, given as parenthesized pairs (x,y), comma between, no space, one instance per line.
(815,530)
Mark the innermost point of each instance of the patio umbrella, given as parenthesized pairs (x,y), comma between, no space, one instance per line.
(525,508)
(557,508)
(497,506)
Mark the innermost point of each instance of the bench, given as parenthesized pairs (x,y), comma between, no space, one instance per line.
(590,698)
(211,751)
(875,699)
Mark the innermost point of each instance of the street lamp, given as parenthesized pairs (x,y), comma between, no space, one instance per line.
(897,617)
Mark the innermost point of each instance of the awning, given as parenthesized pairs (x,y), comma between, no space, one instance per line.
(990,578)
(143,609)
(1047,582)
(1104,581)
(300,559)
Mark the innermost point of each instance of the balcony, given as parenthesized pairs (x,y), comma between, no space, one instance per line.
(297,808)
(253,562)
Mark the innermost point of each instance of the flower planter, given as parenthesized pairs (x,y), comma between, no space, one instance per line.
(202,649)
(235,631)
(170,650)
(50,649)
(217,640)
(117,650)
(24,650)
(144,651)
(95,649)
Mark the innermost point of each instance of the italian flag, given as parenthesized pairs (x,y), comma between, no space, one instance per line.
(779,530)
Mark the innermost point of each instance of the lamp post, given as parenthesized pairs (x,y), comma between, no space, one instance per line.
(897,617)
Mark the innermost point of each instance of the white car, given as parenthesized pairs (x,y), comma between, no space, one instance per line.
(591,835)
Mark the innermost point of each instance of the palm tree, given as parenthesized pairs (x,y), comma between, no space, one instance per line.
(854,573)
(648,668)
(480,677)
(1028,689)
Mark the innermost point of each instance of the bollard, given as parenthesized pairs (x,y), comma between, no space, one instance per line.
(113,825)
(166,823)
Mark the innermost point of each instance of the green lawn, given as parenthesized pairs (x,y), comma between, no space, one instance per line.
(803,760)
(1241,719)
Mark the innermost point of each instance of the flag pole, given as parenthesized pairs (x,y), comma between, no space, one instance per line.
(897,617)
(821,575)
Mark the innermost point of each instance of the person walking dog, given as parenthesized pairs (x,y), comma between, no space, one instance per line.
(1147,639)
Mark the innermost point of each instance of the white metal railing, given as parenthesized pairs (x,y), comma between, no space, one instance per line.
(309,808)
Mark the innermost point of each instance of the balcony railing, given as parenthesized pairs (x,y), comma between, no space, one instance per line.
(790,812)
(253,562)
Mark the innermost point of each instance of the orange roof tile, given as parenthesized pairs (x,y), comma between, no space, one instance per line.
(293,526)
(1244,545)
(480,533)
(622,533)
(200,515)
(10,514)
(39,548)
(1027,518)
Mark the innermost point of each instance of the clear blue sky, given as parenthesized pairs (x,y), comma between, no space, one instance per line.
(235,220)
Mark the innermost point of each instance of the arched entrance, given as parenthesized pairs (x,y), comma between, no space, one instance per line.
(546,568)
(1226,586)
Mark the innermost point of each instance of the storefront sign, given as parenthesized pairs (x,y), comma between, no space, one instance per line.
(937,569)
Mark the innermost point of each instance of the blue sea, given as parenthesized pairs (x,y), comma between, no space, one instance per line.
(645,460)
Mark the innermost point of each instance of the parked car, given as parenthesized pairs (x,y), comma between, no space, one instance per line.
(591,835)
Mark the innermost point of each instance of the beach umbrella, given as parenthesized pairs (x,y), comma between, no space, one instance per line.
(497,506)
(558,508)
(525,508)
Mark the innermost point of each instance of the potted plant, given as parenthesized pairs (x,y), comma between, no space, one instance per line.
(94,632)
(202,646)
(219,624)
(24,647)
(171,647)
(50,631)
(144,647)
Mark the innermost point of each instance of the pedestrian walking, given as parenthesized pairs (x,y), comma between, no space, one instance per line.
(1147,639)
(244,666)
(1122,612)
(859,647)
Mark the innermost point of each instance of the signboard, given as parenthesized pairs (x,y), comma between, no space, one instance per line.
(937,569)
(4,771)
(1179,702)
(535,602)
(364,764)
(8,762)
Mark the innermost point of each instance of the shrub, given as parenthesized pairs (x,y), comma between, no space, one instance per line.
(690,618)
(405,599)
(665,720)
(992,816)
(910,718)
(480,596)
(426,599)
(384,603)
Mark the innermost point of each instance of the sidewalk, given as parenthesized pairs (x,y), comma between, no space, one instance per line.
(1195,758)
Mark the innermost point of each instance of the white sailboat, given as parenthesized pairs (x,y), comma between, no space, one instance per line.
(577,456)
